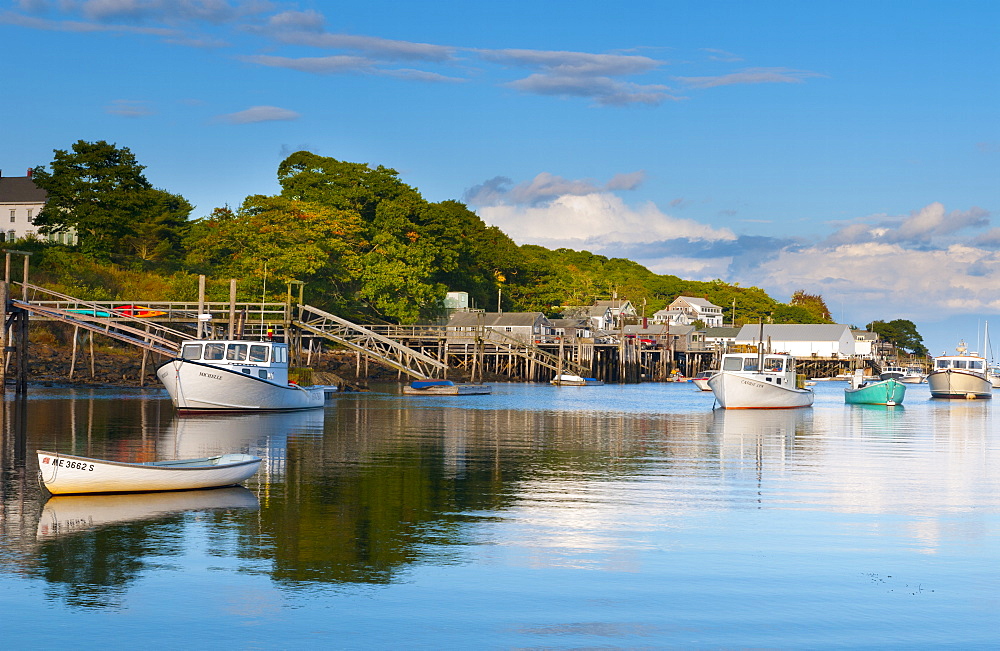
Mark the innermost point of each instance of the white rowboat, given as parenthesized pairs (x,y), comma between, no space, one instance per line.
(64,474)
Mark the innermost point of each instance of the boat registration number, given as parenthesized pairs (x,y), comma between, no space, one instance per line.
(69,463)
(210,375)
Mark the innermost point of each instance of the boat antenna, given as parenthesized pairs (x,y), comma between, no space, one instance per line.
(760,347)
(263,294)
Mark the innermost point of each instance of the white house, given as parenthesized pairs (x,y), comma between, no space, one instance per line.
(864,342)
(802,340)
(685,310)
(600,315)
(20,202)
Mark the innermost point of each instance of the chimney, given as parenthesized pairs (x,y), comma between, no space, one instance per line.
(29,172)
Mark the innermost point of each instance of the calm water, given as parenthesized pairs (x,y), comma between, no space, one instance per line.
(538,517)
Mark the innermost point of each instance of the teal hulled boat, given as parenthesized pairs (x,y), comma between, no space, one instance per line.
(885,392)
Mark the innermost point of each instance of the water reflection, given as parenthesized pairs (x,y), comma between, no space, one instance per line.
(682,504)
(90,548)
(73,514)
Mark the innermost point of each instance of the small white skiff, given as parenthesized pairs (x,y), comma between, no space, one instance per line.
(64,474)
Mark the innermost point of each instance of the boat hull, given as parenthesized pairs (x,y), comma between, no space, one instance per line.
(702,383)
(64,474)
(887,392)
(742,391)
(955,383)
(194,386)
(449,390)
(912,379)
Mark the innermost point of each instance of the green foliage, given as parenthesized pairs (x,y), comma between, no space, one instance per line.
(99,191)
(902,333)
(812,304)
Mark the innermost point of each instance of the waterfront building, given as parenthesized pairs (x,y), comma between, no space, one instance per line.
(801,340)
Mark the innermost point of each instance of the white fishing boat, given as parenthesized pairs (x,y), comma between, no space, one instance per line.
(892,373)
(759,381)
(701,380)
(445,388)
(65,474)
(570,380)
(993,373)
(236,375)
(960,376)
(913,375)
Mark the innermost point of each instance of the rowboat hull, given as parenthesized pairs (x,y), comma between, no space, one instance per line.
(448,390)
(195,386)
(956,383)
(752,391)
(887,392)
(64,474)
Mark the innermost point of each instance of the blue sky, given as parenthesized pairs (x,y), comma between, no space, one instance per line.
(850,149)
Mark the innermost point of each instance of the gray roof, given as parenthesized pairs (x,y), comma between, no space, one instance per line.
(722,332)
(795,332)
(570,323)
(473,319)
(865,335)
(571,311)
(20,189)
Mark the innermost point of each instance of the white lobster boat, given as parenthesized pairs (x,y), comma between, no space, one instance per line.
(960,376)
(235,375)
(66,474)
(759,381)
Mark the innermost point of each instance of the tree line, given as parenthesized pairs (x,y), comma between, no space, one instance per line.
(367,246)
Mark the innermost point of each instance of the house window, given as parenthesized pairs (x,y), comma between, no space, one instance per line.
(30,220)
(508,329)
(12,212)
(10,236)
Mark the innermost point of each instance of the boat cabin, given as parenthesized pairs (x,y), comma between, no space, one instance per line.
(779,369)
(266,360)
(965,363)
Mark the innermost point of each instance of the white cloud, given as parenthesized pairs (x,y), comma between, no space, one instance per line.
(259,114)
(596,221)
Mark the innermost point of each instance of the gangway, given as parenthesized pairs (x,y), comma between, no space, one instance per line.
(530,351)
(392,353)
(154,337)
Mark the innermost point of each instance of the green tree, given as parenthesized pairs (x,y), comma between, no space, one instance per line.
(813,304)
(405,246)
(294,240)
(902,333)
(99,190)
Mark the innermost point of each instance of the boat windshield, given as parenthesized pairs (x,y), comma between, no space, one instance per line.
(774,364)
(733,363)
(971,364)
(191,351)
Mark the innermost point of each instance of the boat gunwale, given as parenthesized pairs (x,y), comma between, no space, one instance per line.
(157,465)
(240,374)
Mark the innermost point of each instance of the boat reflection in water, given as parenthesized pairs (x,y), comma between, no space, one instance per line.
(760,433)
(67,514)
(264,435)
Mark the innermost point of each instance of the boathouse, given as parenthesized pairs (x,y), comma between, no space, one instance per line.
(802,340)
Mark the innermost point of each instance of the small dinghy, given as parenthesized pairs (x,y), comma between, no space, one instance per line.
(444,388)
(64,474)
